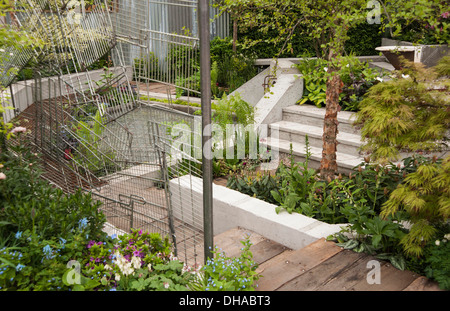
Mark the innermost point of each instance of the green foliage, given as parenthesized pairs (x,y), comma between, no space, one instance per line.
(424,195)
(28,202)
(137,261)
(420,21)
(223,273)
(356,78)
(438,262)
(295,185)
(404,113)
(233,69)
(259,187)
(233,109)
(98,158)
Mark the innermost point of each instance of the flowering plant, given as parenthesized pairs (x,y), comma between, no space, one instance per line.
(136,261)
(223,273)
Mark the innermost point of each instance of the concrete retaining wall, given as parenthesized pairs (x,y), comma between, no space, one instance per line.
(232,208)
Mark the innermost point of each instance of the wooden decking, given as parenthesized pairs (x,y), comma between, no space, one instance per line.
(320,266)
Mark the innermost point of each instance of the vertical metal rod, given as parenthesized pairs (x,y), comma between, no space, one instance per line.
(205,86)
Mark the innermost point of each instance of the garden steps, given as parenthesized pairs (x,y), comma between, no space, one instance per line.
(293,131)
(345,162)
(301,120)
(312,115)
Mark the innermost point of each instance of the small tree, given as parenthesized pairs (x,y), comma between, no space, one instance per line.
(412,113)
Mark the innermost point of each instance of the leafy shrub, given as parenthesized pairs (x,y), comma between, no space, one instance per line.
(424,195)
(259,187)
(406,113)
(233,69)
(356,77)
(136,261)
(438,262)
(28,202)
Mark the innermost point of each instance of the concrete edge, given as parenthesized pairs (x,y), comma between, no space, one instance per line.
(234,209)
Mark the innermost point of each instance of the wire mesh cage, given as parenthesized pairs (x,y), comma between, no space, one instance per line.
(80,95)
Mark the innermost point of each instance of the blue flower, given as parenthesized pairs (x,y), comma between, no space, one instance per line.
(18,234)
(47,251)
(82,223)
(19,267)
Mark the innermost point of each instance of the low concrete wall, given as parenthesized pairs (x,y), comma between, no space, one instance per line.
(287,90)
(252,91)
(232,208)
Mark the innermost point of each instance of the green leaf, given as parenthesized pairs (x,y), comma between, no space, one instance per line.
(350,244)
(398,262)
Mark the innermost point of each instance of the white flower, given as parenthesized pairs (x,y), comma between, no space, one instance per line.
(2,50)
(117,277)
(166,285)
(447,236)
(186,268)
(325,68)
(379,79)
(2,176)
(405,76)
(18,129)
(149,267)
(437,242)
(136,262)
(108,267)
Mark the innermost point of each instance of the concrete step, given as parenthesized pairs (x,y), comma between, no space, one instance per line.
(312,115)
(345,162)
(296,132)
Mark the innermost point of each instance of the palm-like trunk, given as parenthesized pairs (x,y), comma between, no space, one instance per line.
(328,164)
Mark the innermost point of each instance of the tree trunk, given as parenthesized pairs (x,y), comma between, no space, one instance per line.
(235,32)
(328,164)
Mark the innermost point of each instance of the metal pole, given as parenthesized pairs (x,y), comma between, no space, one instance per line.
(205,86)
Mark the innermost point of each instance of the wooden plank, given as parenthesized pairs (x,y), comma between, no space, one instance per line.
(230,241)
(391,279)
(423,284)
(326,272)
(292,264)
(266,250)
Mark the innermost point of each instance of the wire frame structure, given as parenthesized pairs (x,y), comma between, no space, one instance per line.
(80,95)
